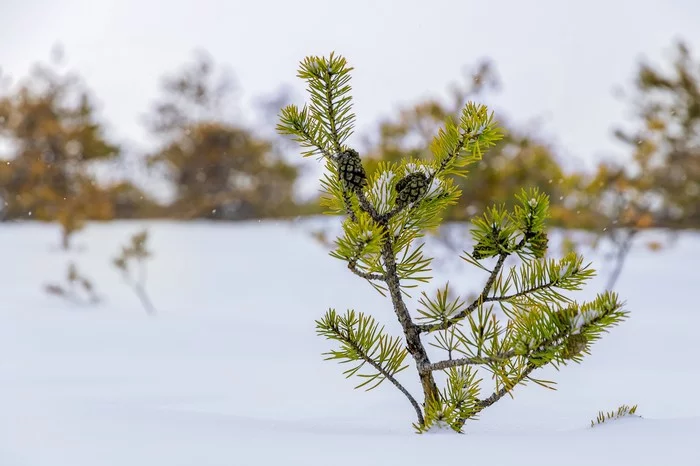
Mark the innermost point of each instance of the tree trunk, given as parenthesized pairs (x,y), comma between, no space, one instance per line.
(410,330)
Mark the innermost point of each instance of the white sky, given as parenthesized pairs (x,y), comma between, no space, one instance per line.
(559,61)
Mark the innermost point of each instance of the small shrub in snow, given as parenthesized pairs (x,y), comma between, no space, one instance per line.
(77,288)
(132,265)
(622,411)
(387,214)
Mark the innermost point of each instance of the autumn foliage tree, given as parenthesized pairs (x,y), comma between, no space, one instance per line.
(658,184)
(52,135)
(665,139)
(219,169)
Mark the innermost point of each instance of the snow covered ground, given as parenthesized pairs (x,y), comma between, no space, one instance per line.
(230,370)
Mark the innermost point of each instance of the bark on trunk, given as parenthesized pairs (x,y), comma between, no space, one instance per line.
(411,331)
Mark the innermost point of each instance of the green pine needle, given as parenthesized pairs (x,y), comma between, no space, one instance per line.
(621,412)
(362,344)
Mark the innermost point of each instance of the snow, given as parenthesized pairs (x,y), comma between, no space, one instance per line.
(583,318)
(230,372)
(381,191)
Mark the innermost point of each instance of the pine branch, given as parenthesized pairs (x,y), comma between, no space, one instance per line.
(483,297)
(329,90)
(392,213)
(352,265)
(547,344)
(464,139)
(362,340)
(492,278)
(563,325)
(303,130)
(473,361)
(439,309)
(331,112)
(474,131)
(453,154)
(497,395)
(367,206)
(458,401)
(480,405)
(396,383)
(348,205)
(519,294)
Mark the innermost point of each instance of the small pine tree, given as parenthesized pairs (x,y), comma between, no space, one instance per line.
(387,214)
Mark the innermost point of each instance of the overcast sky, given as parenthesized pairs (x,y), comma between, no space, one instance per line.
(559,61)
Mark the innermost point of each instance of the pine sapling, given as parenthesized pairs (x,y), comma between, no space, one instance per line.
(77,288)
(622,411)
(387,213)
(132,265)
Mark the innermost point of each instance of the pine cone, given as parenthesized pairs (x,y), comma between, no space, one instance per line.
(352,173)
(539,243)
(411,188)
(480,252)
(574,346)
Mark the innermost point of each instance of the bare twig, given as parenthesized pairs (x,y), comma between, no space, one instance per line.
(139,288)
(140,292)
(624,246)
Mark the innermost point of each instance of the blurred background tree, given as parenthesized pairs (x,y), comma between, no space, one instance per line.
(219,170)
(51,136)
(51,139)
(657,183)
(519,159)
(665,140)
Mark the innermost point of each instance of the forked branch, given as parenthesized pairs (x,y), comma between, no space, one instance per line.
(482,298)
(497,395)
(473,361)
